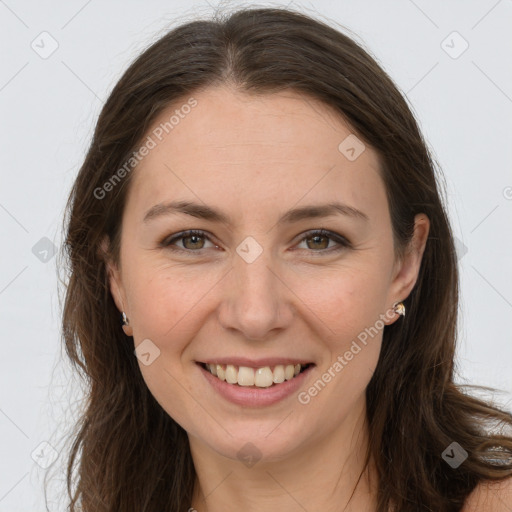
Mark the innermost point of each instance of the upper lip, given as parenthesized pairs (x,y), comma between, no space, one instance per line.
(256,363)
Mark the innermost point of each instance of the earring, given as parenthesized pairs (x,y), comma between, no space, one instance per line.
(124,318)
(399,308)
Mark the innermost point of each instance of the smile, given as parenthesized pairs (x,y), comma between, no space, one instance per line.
(262,377)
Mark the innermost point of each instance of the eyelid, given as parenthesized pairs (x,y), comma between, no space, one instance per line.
(343,243)
(167,241)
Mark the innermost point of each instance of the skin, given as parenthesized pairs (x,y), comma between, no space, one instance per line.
(490,497)
(254,158)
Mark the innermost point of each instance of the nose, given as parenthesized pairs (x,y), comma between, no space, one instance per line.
(256,299)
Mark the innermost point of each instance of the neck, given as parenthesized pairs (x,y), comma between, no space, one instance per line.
(327,475)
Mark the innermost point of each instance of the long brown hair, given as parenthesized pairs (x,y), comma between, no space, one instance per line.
(414,408)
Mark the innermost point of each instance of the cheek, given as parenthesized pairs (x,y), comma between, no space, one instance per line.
(351,340)
(346,300)
(164,299)
(349,374)
(349,307)
(169,311)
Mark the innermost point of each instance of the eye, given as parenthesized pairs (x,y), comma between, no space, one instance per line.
(320,240)
(191,241)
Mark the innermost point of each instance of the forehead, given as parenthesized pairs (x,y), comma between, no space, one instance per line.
(257,150)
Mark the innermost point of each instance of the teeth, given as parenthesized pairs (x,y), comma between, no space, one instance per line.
(221,374)
(231,374)
(279,374)
(259,377)
(263,377)
(245,376)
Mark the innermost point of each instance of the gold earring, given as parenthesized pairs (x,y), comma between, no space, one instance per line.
(126,325)
(399,308)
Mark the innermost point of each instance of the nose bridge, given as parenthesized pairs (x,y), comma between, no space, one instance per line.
(254,279)
(253,304)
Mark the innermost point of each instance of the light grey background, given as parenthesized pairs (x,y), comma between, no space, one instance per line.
(48,110)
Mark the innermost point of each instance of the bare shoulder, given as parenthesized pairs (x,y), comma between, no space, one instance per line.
(490,497)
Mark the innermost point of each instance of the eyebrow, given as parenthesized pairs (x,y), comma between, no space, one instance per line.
(209,213)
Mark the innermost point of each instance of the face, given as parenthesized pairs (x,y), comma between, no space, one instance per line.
(261,287)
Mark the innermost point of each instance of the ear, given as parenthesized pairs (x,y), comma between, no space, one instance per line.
(407,268)
(115,283)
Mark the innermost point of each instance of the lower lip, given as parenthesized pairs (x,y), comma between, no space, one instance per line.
(254,397)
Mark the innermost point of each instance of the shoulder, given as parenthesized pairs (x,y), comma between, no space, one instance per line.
(490,497)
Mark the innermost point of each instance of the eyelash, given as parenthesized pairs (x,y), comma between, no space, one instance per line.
(342,241)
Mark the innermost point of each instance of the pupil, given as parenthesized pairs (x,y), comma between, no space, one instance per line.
(194,239)
(317,238)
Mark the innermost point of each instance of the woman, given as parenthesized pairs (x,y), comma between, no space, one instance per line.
(259,207)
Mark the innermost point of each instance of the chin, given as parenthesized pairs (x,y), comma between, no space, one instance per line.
(258,443)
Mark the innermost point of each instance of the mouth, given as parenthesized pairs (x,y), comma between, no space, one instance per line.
(262,377)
